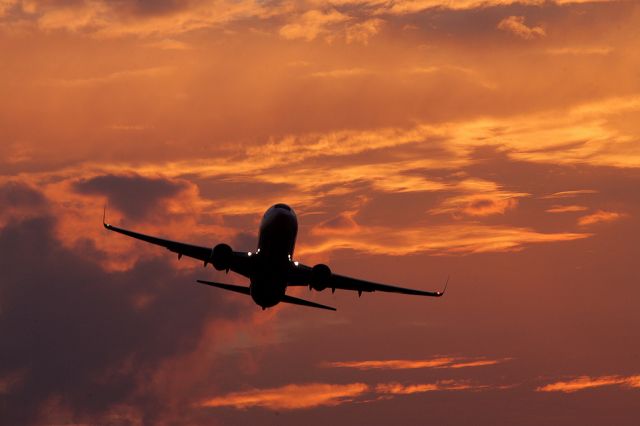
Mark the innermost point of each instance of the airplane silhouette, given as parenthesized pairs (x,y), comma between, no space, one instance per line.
(271,268)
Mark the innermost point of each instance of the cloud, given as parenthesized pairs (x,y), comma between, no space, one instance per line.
(312,24)
(481,198)
(444,385)
(392,364)
(571,194)
(459,238)
(599,216)
(586,382)
(106,19)
(311,395)
(135,195)
(76,334)
(291,397)
(516,26)
(565,209)
(402,364)
(340,224)
(18,194)
(361,32)
(20,201)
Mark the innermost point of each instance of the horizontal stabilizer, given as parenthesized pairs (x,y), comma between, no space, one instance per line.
(236,288)
(302,302)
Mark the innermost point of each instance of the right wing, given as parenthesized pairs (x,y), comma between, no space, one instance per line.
(303,275)
(239,259)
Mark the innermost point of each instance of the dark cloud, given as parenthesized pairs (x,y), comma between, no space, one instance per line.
(134,195)
(73,331)
(19,194)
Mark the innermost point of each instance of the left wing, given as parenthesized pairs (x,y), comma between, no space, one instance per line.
(239,261)
(303,275)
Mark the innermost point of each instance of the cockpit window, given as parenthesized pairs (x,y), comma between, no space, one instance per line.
(282,206)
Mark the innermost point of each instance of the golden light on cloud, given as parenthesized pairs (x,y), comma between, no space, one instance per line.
(312,24)
(566,209)
(586,382)
(444,385)
(600,216)
(515,25)
(403,364)
(290,397)
(571,194)
(462,238)
(312,395)
(392,364)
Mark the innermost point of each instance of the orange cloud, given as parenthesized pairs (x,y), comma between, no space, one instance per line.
(482,198)
(400,364)
(343,223)
(599,217)
(565,209)
(312,24)
(290,397)
(444,385)
(515,25)
(570,194)
(462,238)
(363,31)
(586,382)
(304,396)
(392,364)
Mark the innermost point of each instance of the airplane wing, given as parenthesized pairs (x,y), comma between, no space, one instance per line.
(239,262)
(303,275)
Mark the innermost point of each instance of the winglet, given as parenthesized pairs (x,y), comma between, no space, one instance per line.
(104,217)
(446,283)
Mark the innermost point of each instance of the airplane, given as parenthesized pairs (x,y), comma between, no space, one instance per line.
(271,268)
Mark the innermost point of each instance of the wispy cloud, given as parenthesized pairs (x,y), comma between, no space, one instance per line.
(290,397)
(587,382)
(444,385)
(403,364)
(571,194)
(311,395)
(565,209)
(599,217)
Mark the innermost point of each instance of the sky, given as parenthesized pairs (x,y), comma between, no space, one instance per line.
(492,141)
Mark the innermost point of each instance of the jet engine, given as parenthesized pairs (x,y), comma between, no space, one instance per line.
(221,257)
(320,275)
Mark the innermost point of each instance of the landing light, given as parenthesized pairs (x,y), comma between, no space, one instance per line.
(249,254)
(296,263)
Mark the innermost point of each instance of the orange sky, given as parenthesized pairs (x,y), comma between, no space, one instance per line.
(493,140)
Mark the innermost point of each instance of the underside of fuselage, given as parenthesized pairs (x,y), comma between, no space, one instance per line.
(272,259)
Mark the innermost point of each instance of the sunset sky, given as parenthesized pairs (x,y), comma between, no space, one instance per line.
(495,141)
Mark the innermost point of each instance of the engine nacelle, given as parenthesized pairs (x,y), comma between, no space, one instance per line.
(221,257)
(320,275)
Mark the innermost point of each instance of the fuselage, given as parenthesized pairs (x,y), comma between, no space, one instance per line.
(273,257)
